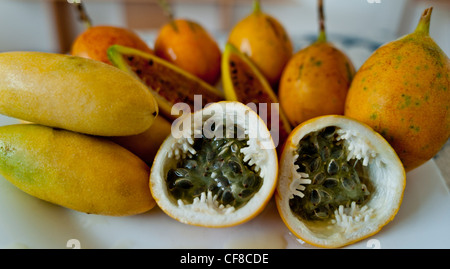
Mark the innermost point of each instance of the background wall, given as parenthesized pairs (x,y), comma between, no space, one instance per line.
(46,25)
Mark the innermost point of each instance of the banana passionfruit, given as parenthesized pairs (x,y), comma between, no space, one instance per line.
(340,182)
(217,168)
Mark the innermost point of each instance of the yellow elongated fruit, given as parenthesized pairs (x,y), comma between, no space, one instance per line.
(81,172)
(340,182)
(74,93)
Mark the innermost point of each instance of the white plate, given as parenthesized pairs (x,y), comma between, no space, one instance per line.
(27,222)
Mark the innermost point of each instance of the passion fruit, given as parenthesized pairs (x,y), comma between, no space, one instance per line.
(188,45)
(340,182)
(403,92)
(218,169)
(94,42)
(316,79)
(264,39)
(168,83)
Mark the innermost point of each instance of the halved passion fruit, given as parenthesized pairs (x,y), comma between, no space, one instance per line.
(243,82)
(169,83)
(218,168)
(339,182)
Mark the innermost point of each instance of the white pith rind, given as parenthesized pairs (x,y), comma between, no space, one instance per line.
(352,223)
(206,211)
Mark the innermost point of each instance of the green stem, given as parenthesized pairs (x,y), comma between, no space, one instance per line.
(322,34)
(83,15)
(167,8)
(256,6)
(423,27)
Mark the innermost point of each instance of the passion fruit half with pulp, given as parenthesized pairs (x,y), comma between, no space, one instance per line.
(217,169)
(340,182)
(169,83)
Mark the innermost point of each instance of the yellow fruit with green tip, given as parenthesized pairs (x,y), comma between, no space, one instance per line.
(81,172)
(74,93)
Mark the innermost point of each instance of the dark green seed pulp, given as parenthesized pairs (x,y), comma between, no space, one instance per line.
(218,167)
(334,180)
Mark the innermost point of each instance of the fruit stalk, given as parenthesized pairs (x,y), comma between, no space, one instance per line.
(165,6)
(322,35)
(423,27)
(256,7)
(83,15)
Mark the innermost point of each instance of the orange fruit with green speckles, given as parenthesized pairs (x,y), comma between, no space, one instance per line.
(188,45)
(262,38)
(315,83)
(316,80)
(402,91)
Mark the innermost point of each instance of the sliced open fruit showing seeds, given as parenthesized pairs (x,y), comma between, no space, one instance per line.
(339,182)
(168,83)
(243,82)
(218,168)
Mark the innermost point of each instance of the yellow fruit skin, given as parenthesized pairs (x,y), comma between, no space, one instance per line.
(74,93)
(403,92)
(77,171)
(188,45)
(265,41)
(315,82)
(145,145)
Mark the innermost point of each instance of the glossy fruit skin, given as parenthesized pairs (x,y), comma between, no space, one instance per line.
(84,173)
(74,93)
(188,45)
(95,41)
(403,92)
(315,82)
(265,41)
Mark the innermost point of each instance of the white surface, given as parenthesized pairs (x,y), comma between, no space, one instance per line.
(27,222)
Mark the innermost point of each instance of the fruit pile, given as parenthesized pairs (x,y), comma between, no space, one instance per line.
(119,127)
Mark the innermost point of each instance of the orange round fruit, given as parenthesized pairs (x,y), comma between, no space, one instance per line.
(188,45)
(315,82)
(95,41)
(217,168)
(403,92)
(340,182)
(316,79)
(265,41)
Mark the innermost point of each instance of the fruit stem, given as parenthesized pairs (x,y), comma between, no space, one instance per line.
(165,6)
(83,15)
(322,35)
(256,6)
(423,27)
